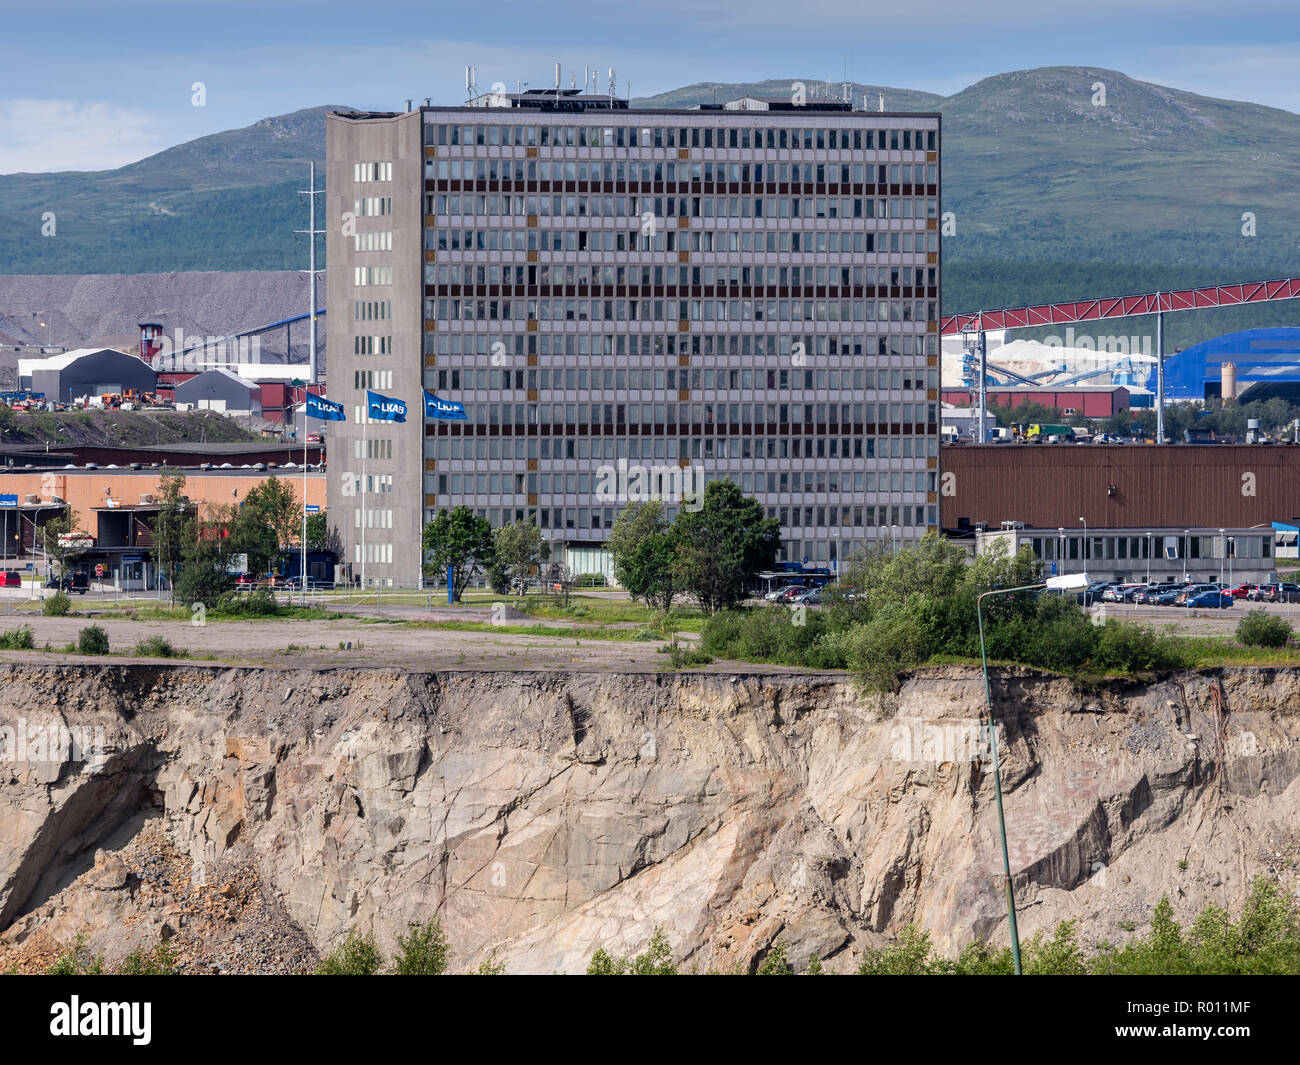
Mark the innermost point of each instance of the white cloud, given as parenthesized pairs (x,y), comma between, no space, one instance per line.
(39,136)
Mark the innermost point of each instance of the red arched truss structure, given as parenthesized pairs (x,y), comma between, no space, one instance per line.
(1187,299)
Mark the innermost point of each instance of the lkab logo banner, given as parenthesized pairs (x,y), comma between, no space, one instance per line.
(326,410)
(442,408)
(383,409)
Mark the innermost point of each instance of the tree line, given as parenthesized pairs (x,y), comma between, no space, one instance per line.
(712,553)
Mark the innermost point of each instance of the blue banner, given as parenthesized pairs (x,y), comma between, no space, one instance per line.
(326,410)
(383,409)
(442,408)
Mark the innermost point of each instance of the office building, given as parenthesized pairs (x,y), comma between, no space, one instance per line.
(632,303)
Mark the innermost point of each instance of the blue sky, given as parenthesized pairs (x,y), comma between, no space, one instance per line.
(88,85)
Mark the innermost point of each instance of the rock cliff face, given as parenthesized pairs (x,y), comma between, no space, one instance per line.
(543,815)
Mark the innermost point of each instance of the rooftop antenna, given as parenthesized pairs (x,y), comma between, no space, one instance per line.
(573,79)
(882,101)
(557,79)
(586,78)
(611,86)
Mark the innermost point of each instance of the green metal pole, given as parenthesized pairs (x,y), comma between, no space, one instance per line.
(997,775)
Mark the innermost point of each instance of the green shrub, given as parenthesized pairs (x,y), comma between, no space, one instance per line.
(490,966)
(889,643)
(260,603)
(92,640)
(684,657)
(655,960)
(357,955)
(56,605)
(423,951)
(776,963)
(910,955)
(1262,629)
(76,960)
(770,634)
(1264,940)
(161,961)
(158,647)
(1128,648)
(19,639)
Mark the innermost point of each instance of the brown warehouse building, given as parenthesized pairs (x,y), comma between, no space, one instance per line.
(1120,486)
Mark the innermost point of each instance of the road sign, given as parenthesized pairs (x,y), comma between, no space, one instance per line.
(99,569)
(312,508)
(8,501)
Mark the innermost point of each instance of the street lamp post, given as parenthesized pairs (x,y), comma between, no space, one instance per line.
(1223,541)
(1232,553)
(1187,547)
(1149,548)
(1060,554)
(1074,582)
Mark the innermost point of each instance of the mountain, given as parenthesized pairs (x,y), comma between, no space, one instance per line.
(1055,193)
(228,201)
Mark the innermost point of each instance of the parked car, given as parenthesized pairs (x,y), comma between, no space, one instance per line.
(1214,600)
(811,597)
(1191,591)
(11,579)
(1284,593)
(1094,592)
(245,582)
(777,595)
(70,582)
(791,592)
(1240,591)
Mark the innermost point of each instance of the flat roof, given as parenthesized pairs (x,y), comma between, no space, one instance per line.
(684,112)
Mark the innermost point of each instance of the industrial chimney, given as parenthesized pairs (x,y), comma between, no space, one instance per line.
(149,345)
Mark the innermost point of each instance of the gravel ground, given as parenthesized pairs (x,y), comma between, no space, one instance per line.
(215,919)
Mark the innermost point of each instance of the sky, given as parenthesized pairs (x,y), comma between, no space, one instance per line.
(89,85)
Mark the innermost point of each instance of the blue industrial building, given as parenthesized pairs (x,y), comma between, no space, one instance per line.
(1266,361)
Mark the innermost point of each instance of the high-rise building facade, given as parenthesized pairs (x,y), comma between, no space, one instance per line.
(628,304)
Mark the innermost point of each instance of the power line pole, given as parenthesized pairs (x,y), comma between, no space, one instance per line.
(312,233)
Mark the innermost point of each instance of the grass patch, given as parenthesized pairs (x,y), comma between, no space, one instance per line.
(585,632)
(218,613)
(605,611)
